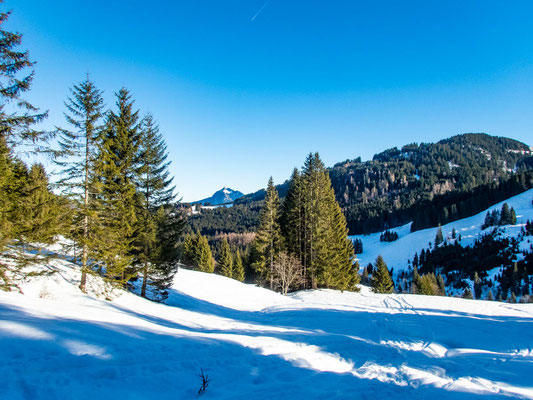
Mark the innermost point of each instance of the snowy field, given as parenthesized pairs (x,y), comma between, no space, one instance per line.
(56,343)
(397,253)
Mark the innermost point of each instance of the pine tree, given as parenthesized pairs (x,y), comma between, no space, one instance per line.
(439,237)
(77,156)
(381,281)
(467,294)
(490,296)
(225,261)
(238,268)
(268,240)
(154,192)
(454,233)
(116,195)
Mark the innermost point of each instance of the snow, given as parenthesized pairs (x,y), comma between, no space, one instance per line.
(57,343)
(396,254)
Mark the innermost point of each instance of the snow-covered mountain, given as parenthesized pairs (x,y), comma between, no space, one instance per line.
(222,196)
(397,253)
(56,342)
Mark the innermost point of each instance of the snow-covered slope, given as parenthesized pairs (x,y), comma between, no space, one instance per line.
(56,343)
(397,253)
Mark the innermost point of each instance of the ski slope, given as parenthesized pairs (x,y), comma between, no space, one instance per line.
(57,343)
(396,254)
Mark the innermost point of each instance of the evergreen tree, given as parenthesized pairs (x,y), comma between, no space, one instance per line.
(381,281)
(513,298)
(439,237)
(39,212)
(505,215)
(428,285)
(17,115)
(441,285)
(454,233)
(77,156)
(17,118)
(116,196)
(292,217)
(477,285)
(328,254)
(415,285)
(238,269)
(166,253)
(204,256)
(512,217)
(490,296)
(467,294)
(225,261)
(154,192)
(268,240)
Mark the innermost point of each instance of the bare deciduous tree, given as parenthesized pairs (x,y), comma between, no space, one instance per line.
(287,272)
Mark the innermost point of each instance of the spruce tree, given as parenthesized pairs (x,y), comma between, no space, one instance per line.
(17,115)
(77,157)
(505,215)
(292,216)
(441,285)
(225,261)
(268,240)
(381,281)
(490,296)
(17,119)
(477,286)
(204,256)
(154,192)
(238,268)
(170,225)
(327,252)
(39,212)
(116,195)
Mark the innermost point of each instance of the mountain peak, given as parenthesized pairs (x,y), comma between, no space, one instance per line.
(223,196)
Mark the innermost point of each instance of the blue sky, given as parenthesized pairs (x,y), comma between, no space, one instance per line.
(240,98)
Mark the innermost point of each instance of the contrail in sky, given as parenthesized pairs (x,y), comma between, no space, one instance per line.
(259,12)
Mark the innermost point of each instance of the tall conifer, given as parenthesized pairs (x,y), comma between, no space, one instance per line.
(117,169)
(154,191)
(268,241)
(225,261)
(77,157)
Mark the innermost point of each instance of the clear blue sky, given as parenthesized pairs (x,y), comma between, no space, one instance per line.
(240,98)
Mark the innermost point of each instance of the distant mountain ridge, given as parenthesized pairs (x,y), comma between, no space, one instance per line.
(426,183)
(222,196)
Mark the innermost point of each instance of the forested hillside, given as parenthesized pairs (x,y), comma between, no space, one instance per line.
(428,183)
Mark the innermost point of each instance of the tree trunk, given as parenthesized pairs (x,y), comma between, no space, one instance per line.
(83,280)
(145,280)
